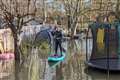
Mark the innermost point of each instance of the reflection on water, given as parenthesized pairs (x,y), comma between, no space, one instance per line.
(37,68)
(7,69)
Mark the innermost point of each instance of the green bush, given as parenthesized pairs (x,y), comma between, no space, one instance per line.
(42,45)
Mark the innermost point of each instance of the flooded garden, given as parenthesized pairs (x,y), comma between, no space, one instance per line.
(36,66)
(90,36)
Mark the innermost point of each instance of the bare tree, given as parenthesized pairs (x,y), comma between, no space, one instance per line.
(72,8)
(76,8)
(117,8)
(16,13)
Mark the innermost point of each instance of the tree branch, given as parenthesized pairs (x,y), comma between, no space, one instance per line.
(28,21)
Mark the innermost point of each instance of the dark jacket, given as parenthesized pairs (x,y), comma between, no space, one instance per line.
(57,35)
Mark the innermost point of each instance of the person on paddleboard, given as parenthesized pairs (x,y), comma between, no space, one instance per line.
(57,34)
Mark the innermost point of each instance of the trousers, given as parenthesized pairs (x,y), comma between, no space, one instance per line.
(58,46)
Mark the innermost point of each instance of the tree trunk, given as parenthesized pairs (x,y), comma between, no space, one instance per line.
(16,47)
(73,30)
(43,10)
(117,8)
(17,56)
(69,23)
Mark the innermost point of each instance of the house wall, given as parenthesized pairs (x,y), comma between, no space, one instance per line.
(6,41)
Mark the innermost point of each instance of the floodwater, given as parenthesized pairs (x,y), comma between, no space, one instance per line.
(36,66)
